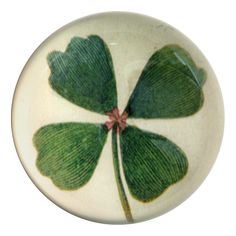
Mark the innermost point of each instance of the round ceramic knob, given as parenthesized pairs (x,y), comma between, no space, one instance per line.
(117,117)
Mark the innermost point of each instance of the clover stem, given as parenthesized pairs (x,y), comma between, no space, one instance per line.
(121,190)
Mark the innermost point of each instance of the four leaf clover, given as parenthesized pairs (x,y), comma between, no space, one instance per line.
(170,86)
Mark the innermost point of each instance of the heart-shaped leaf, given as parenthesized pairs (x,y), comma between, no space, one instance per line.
(68,153)
(151,163)
(84,74)
(170,86)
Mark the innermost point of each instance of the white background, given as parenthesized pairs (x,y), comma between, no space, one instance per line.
(211,25)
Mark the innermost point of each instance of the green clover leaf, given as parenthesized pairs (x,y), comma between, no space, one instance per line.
(170,86)
(69,152)
(84,74)
(151,163)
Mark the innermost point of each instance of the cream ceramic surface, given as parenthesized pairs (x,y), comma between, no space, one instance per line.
(132,39)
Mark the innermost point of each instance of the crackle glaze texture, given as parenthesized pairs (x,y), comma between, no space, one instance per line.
(117,117)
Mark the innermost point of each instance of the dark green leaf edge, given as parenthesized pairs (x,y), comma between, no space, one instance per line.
(184,56)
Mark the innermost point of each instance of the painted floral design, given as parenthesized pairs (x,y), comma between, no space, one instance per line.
(170,86)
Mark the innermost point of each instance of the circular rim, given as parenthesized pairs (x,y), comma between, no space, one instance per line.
(15,143)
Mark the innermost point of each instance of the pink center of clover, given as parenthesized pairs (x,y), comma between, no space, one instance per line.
(116,118)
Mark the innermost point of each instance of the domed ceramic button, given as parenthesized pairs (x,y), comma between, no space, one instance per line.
(117,118)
